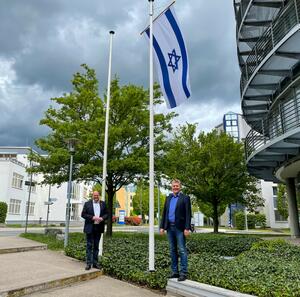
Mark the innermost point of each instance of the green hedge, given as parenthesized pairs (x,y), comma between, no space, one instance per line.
(268,268)
(252,220)
(126,255)
(3,212)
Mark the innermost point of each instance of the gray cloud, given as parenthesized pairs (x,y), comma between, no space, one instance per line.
(45,41)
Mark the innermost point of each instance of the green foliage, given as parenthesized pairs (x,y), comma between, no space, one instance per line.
(212,168)
(282,205)
(3,212)
(265,268)
(50,240)
(126,255)
(239,220)
(141,199)
(260,220)
(81,115)
(251,220)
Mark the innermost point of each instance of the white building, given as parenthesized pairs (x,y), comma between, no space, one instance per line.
(235,125)
(15,192)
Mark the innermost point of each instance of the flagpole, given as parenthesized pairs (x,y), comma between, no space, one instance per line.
(104,172)
(151,148)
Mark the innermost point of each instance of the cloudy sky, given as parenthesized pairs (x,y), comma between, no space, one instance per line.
(43,43)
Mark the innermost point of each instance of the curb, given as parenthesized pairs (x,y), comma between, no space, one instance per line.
(51,284)
(194,289)
(23,249)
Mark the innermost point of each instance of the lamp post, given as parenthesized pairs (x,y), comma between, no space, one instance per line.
(28,201)
(48,206)
(71,147)
(158,205)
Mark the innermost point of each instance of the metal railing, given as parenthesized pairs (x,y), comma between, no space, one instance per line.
(239,14)
(283,118)
(280,26)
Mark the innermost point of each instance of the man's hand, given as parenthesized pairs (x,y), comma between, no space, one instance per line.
(161,231)
(186,232)
(97,219)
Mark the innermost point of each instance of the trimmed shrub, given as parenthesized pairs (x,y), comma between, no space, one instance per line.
(260,220)
(239,220)
(3,212)
(251,218)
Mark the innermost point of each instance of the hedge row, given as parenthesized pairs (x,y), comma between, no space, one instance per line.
(252,220)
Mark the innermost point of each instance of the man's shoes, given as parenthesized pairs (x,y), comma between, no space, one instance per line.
(88,267)
(182,278)
(97,266)
(174,275)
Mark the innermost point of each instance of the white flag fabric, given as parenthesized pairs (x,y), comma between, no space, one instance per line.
(171,58)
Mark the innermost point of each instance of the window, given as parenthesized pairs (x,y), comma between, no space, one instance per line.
(31,208)
(17,181)
(75,191)
(33,188)
(14,206)
(275,191)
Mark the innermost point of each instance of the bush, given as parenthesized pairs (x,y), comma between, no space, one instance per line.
(251,220)
(239,220)
(260,220)
(126,255)
(133,221)
(3,212)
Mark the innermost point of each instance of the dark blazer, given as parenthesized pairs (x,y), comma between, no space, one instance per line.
(182,213)
(88,213)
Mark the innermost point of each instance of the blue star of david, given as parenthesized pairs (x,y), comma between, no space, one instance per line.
(173,60)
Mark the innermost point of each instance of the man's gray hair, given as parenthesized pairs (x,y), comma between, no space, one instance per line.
(177,181)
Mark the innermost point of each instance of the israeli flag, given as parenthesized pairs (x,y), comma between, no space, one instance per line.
(171,58)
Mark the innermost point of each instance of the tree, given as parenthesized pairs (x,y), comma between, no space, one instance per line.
(282,204)
(3,212)
(212,168)
(141,199)
(81,115)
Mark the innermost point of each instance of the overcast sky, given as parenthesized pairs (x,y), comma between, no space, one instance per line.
(43,43)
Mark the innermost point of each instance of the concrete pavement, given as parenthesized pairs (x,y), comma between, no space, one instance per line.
(31,270)
(100,287)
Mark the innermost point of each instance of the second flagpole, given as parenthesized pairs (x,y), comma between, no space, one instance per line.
(104,172)
(151,147)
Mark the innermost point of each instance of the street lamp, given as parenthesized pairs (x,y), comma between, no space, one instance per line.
(71,147)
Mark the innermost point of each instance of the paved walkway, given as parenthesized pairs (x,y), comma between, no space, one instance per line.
(29,271)
(100,287)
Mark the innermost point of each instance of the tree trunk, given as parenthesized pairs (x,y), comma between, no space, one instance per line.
(216,217)
(110,196)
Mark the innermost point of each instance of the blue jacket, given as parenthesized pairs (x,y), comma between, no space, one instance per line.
(182,213)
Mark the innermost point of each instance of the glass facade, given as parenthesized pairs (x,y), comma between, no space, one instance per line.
(231,126)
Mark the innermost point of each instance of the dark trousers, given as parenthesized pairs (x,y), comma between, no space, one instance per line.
(92,246)
(177,248)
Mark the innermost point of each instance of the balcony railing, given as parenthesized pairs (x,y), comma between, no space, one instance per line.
(280,26)
(282,119)
(241,11)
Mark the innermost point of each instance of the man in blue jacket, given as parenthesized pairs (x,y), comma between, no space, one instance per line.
(95,213)
(176,220)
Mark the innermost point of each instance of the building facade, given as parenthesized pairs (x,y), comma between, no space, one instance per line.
(235,125)
(14,191)
(268,37)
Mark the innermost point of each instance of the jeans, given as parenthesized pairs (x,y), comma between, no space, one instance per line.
(177,246)
(92,247)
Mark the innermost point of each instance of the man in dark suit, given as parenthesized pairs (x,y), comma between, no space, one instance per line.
(95,213)
(176,220)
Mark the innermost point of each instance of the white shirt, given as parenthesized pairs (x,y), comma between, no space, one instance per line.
(96,207)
